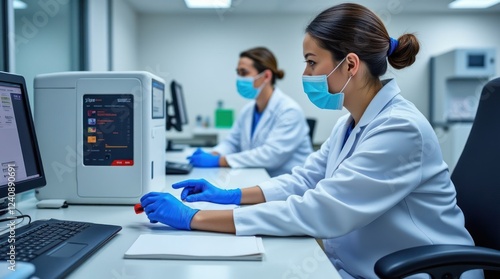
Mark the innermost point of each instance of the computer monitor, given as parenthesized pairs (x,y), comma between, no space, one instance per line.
(176,110)
(177,116)
(20,161)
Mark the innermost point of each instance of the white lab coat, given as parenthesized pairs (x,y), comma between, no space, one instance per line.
(386,189)
(280,140)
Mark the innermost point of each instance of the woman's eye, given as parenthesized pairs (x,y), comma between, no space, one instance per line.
(310,63)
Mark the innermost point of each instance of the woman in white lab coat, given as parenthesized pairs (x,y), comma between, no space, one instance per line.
(377,185)
(271,131)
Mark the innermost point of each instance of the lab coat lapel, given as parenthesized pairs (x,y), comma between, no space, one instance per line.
(266,116)
(247,139)
(262,123)
(389,90)
(338,153)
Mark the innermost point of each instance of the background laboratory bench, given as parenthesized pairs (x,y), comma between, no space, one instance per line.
(285,257)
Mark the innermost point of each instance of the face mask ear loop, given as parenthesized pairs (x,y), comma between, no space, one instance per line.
(258,76)
(263,84)
(342,90)
(336,67)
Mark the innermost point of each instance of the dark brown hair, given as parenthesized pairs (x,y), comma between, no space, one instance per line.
(263,59)
(349,27)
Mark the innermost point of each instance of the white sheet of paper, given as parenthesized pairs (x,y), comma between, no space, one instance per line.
(196,247)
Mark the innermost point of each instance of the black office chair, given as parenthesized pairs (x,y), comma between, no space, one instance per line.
(311,122)
(477,180)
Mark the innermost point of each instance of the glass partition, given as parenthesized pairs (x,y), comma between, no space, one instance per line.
(48,38)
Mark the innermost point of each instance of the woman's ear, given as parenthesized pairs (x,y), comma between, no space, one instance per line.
(353,63)
(268,74)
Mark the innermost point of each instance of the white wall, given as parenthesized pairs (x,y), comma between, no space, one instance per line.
(439,34)
(201,52)
(98,36)
(124,37)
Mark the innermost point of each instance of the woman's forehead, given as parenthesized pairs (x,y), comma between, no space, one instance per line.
(245,63)
(312,48)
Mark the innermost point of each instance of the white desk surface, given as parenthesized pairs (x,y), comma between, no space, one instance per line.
(285,257)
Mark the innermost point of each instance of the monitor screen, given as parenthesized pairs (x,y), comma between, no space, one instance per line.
(108,130)
(21,165)
(476,60)
(158,99)
(177,115)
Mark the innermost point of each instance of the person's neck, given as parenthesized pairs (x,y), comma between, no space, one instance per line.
(264,97)
(361,99)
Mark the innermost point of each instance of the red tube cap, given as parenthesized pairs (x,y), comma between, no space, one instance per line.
(138,208)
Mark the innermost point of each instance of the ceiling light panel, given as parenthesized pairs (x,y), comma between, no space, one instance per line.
(208,4)
(472,4)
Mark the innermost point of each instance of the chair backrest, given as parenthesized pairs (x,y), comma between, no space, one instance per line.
(312,126)
(477,173)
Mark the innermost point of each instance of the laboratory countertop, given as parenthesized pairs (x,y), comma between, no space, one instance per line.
(285,257)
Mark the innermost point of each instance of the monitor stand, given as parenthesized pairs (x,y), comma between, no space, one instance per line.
(170,146)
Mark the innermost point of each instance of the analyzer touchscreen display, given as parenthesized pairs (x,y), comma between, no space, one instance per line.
(108,130)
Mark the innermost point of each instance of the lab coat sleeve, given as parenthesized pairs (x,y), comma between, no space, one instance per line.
(300,180)
(378,175)
(279,143)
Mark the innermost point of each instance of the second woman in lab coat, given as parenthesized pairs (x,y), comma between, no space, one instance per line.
(271,131)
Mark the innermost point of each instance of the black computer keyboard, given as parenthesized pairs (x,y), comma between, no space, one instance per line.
(56,247)
(177,168)
(41,238)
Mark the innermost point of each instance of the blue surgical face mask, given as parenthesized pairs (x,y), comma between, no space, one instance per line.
(244,85)
(316,88)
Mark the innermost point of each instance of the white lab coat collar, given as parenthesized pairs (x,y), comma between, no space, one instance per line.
(389,90)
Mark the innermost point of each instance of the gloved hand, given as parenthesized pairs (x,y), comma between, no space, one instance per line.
(203,159)
(166,209)
(201,190)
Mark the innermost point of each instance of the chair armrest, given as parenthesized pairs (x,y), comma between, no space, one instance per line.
(437,260)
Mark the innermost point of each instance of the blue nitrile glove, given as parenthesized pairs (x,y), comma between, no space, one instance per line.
(200,190)
(204,159)
(198,151)
(166,209)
